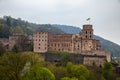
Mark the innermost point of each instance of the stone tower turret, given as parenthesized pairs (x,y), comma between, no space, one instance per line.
(87,32)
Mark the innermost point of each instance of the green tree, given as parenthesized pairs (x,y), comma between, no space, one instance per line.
(59,72)
(22,44)
(35,58)
(77,71)
(107,70)
(16,48)
(39,73)
(8,21)
(4,31)
(118,78)
(82,78)
(19,29)
(2,49)
(11,66)
(102,78)
(67,78)
(69,68)
(65,58)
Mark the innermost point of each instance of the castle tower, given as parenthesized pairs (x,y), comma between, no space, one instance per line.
(40,42)
(87,32)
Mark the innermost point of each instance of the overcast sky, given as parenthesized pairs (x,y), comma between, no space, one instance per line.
(104,14)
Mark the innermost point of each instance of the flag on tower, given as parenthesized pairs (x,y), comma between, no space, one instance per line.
(88,19)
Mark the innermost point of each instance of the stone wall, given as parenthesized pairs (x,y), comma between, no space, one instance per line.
(88,60)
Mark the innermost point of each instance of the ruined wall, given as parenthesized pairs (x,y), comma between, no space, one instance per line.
(94,60)
(13,39)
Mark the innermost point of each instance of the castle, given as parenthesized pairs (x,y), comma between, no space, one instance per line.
(82,43)
(83,47)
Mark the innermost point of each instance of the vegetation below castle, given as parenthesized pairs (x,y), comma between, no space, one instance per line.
(31,66)
(9,25)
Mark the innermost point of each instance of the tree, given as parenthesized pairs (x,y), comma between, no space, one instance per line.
(82,78)
(22,44)
(2,49)
(59,72)
(8,21)
(65,58)
(118,78)
(67,78)
(78,71)
(4,31)
(69,68)
(35,58)
(39,73)
(16,48)
(107,70)
(11,66)
(102,78)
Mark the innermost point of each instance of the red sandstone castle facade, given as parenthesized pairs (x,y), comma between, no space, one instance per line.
(82,43)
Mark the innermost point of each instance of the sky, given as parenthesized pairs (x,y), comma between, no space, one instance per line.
(104,14)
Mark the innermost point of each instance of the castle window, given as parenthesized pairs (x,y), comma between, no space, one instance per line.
(86,36)
(39,47)
(51,44)
(90,36)
(90,32)
(86,32)
(58,45)
(39,44)
(45,48)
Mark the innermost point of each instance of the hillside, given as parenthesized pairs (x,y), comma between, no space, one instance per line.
(8,25)
(68,29)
